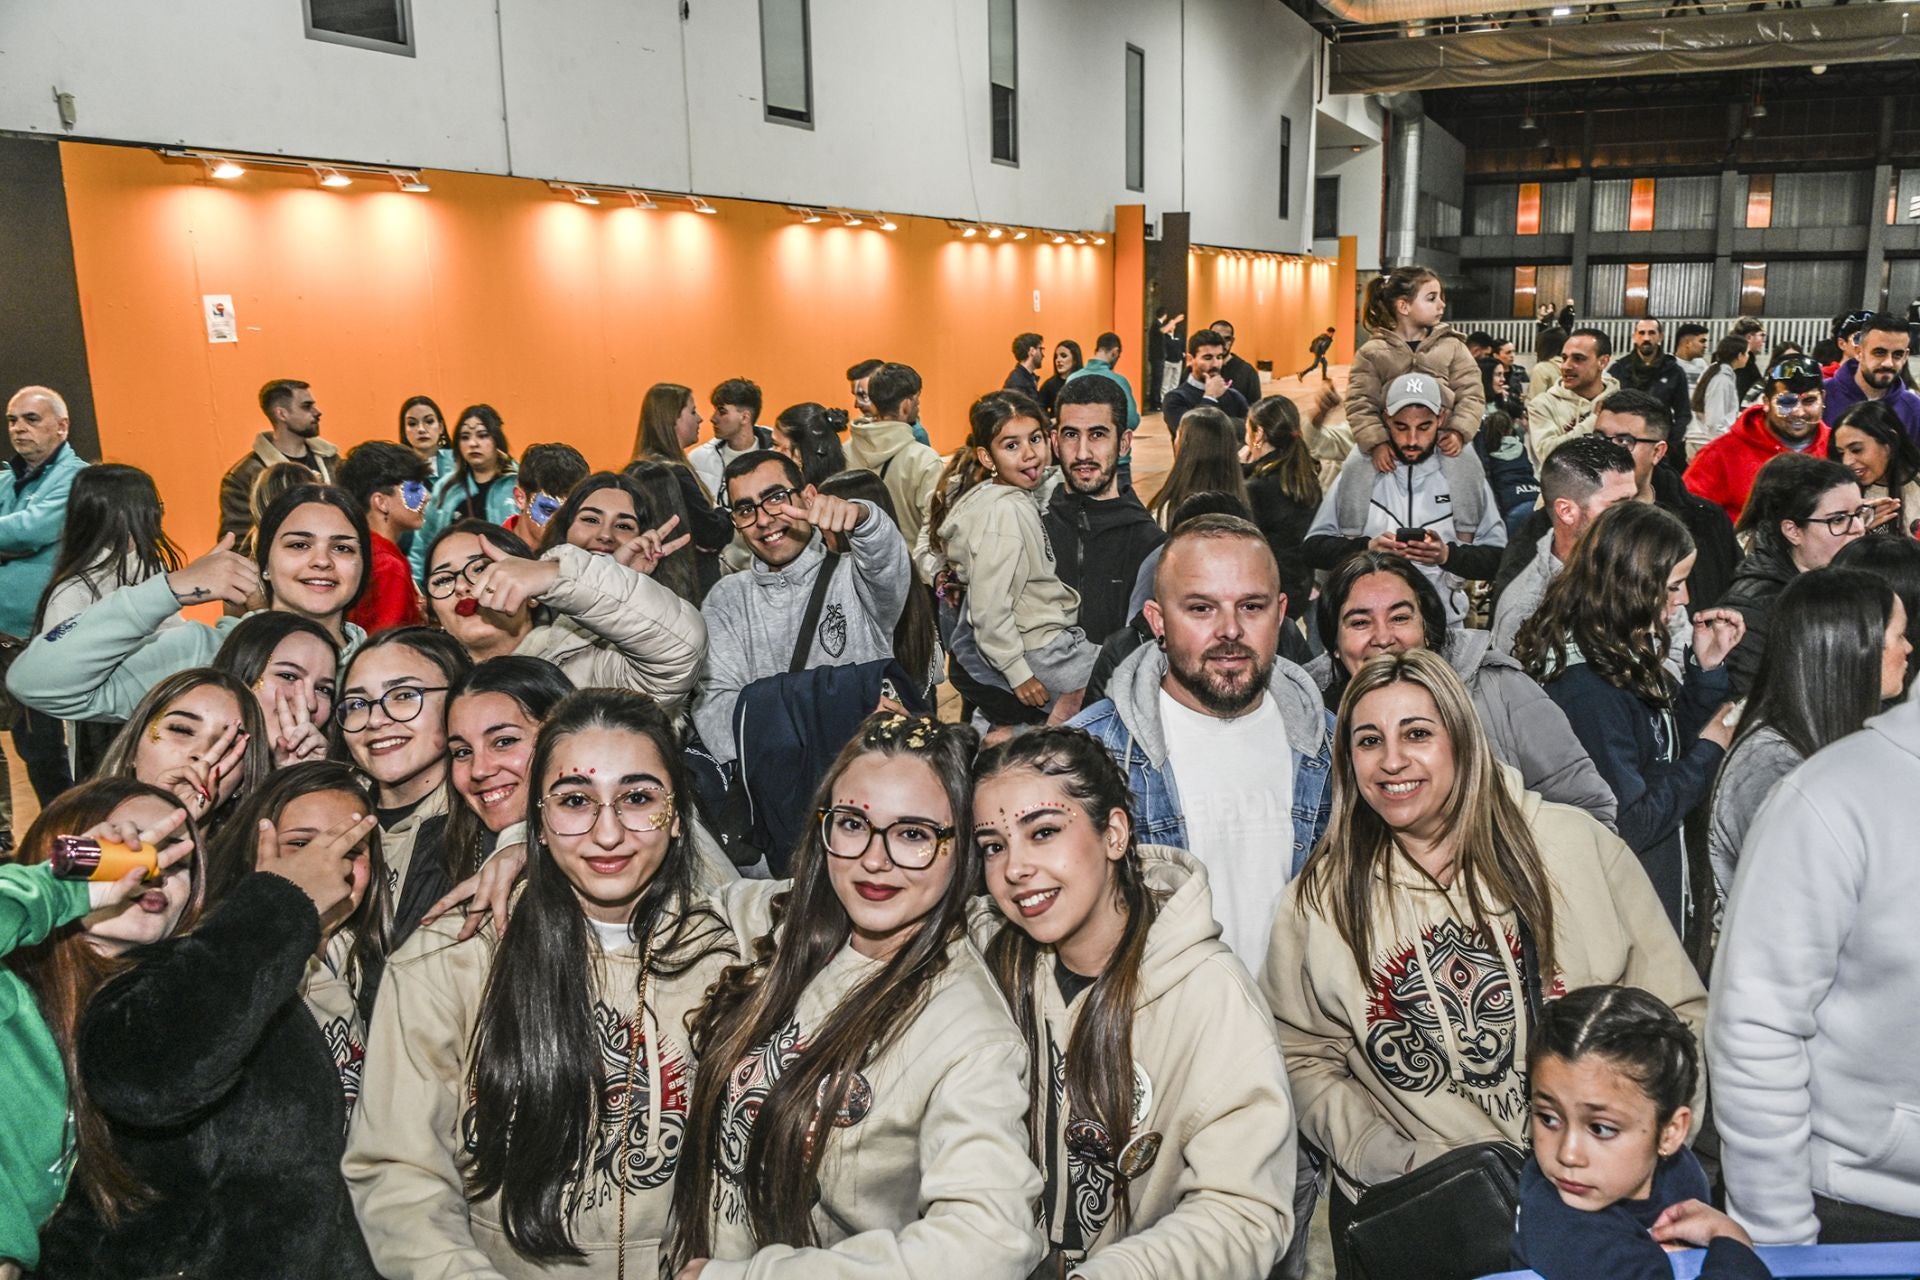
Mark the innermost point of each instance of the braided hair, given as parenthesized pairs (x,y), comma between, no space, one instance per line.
(1631,1029)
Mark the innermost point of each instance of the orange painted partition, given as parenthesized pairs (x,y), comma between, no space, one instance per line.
(500,290)
(1130,289)
(1276,304)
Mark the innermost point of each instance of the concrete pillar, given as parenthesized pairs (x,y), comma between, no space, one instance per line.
(1582,233)
(1728,217)
(1873,286)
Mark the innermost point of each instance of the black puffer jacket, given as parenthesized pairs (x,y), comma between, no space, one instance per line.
(1098,547)
(221,1095)
(1757,583)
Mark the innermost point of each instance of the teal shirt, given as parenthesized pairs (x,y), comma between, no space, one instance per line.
(36,1153)
(1106,370)
(31,518)
(98,664)
(447,497)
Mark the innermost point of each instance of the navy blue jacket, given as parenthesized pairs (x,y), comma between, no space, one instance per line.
(1564,1243)
(1654,782)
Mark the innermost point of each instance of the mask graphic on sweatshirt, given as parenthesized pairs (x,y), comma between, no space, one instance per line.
(348,1053)
(1442,1014)
(1090,1172)
(747,1090)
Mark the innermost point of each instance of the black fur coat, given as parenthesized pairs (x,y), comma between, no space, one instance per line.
(223,1098)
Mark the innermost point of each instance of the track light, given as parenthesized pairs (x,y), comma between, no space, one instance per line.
(1099,239)
(994,233)
(1058,238)
(886,223)
(1019,234)
(701,206)
(1078,238)
(642,201)
(410,182)
(583,196)
(969,233)
(224,169)
(332,177)
(804,213)
(851,220)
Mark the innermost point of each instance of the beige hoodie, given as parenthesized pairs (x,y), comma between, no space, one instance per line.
(333,1002)
(1560,413)
(927,1173)
(998,546)
(909,469)
(1429,1054)
(1209,1081)
(405,1149)
(614,627)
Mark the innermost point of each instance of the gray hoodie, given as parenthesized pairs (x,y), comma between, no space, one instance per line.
(753,619)
(1811,1037)
(1526,728)
(1747,775)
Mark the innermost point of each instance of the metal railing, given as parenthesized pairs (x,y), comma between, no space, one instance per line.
(1804,331)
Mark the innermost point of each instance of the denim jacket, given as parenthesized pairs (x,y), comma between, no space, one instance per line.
(1127,723)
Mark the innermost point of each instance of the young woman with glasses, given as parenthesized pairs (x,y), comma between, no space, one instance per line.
(604,623)
(862,1102)
(391,720)
(525,1101)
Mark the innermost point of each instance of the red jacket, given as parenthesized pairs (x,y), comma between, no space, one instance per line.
(1723,472)
(391,599)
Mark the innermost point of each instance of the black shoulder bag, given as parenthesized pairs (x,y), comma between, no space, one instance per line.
(1452,1218)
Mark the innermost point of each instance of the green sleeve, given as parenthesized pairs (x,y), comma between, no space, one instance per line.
(33,904)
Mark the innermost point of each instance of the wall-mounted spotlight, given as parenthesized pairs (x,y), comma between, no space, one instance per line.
(1097,238)
(1078,238)
(641,200)
(886,223)
(224,169)
(804,213)
(1019,233)
(1058,238)
(701,206)
(851,219)
(409,182)
(994,233)
(330,177)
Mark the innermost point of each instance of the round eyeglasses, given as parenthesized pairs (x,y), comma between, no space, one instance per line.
(444,582)
(1841,521)
(912,844)
(574,813)
(401,705)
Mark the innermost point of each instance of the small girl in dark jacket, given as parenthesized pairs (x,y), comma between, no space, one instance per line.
(1596,644)
(1501,445)
(1610,1182)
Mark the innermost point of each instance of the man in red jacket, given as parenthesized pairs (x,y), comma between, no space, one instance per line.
(390,484)
(1787,417)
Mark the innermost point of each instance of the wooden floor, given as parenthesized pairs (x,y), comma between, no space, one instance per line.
(1153,452)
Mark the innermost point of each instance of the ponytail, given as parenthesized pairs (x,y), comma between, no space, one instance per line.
(1723,356)
(963,471)
(1384,292)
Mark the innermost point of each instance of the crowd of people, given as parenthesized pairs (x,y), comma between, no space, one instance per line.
(506,867)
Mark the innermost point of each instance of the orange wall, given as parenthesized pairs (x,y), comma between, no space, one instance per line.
(499,290)
(1276,304)
(1130,288)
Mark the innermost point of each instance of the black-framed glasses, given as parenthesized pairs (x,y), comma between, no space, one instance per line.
(1625,439)
(445,582)
(1840,521)
(574,813)
(401,704)
(744,512)
(912,844)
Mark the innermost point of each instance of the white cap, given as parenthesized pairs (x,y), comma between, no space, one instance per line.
(1412,388)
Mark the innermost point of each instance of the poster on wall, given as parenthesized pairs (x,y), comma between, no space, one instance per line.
(220,322)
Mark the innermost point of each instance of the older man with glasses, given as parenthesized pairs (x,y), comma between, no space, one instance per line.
(1788,418)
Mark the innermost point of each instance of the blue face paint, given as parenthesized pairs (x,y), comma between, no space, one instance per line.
(414,494)
(541,509)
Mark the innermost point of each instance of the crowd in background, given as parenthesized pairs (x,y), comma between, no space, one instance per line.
(507,864)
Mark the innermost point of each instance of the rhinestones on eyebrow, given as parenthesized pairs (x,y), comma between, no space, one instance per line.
(1065,814)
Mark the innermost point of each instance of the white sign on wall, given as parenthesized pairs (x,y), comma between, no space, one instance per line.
(220,322)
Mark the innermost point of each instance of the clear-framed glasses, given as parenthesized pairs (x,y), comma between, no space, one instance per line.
(747,510)
(401,705)
(1810,401)
(1841,521)
(413,493)
(639,810)
(444,582)
(912,844)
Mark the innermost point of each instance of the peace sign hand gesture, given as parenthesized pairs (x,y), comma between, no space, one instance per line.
(643,552)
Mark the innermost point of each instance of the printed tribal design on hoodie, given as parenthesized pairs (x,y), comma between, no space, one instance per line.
(1466,1040)
(639,1136)
(1090,1177)
(747,1089)
(349,1053)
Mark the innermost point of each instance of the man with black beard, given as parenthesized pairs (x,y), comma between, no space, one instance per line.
(1872,372)
(1099,534)
(1652,372)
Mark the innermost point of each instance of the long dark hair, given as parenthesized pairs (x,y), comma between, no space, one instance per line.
(1497,860)
(963,471)
(1896,562)
(537,687)
(563,518)
(1787,488)
(916,635)
(1340,584)
(433,645)
(1724,355)
(1880,424)
(755,999)
(1206,459)
(496,430)
(498,536)
(1819,678)
(64,971)
(1290,462)
(658,435)
(1099,1067)
(323,495)
(113,523)
(537,1074)
(814,432)
(400,434)
(257,756)
(248,648)
(1630,1028)
(659,484)
(233,849)
(1608,602)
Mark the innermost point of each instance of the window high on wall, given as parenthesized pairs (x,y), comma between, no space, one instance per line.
(1286,167)
(1003,75)
(1326,207)
(786,61)
(1136,119)
(386,25)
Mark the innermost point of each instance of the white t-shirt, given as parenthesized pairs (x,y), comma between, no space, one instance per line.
(1235,779)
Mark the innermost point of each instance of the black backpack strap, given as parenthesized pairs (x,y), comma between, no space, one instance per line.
(1531,979)
(886,465)
(816,602)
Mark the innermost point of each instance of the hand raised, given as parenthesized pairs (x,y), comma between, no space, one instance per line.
(643,552)
(220,574)
(511,582)
(823,511)
(325,868)
(107,893)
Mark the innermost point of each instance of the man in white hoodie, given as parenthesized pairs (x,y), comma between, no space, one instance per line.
(1812,1042)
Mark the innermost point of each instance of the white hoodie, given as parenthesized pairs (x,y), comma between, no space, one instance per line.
(1812,1042)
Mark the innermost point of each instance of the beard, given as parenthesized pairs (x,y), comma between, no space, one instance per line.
(1879,379)
(1223,695)
(1097,484)
(1412,456)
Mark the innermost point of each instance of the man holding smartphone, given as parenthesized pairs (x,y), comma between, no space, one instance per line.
(1438,512)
